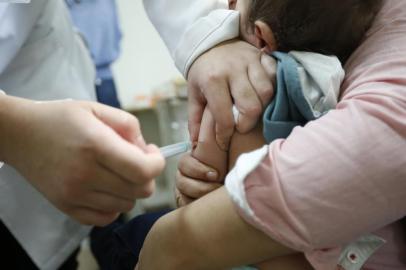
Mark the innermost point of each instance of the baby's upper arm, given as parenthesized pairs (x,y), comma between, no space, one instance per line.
(208,152)
(244,143)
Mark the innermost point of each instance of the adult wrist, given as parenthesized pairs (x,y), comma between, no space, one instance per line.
(10,125)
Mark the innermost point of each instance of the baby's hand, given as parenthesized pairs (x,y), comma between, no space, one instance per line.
(194,180)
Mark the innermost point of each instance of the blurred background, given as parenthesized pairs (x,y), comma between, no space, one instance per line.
(144,63)
(150,87)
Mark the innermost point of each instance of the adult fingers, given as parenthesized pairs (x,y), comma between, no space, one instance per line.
(270,67)
(261,79)
(182,199)
(219,101)
(246,100)
(128,160)
(123,123)
(89,216)
(194,188)
(110,183)
(107,203)
(193,168)
(196,105)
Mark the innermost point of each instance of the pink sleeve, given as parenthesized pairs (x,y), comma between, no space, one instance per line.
(344,174)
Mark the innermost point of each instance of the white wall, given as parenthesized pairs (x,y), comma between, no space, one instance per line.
(145,62)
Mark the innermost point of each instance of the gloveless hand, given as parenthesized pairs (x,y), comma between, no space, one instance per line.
(234,72)
(87,159)
(194,180)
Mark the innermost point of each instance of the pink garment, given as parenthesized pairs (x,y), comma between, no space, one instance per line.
(344,175)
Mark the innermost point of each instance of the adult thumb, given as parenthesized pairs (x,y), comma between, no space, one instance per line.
(123,123)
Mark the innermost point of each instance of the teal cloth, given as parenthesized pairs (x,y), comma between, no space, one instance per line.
(289,107)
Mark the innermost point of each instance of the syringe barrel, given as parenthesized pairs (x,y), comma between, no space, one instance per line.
(175,149)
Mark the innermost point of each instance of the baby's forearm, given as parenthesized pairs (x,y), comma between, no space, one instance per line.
(207,150)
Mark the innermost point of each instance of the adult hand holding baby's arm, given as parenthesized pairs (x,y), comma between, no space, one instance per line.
(234,72)
(194,180)
(205,168)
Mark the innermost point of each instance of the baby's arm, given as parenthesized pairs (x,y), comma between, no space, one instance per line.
(209,153)
(208,234)
(243,143)
(207,150)
(204,169)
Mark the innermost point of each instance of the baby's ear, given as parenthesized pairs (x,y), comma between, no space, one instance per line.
(232,4)
(264,36)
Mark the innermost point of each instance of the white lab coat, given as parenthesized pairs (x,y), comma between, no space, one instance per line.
(42,58)
(189,28)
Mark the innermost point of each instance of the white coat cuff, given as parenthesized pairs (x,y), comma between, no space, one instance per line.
(219,26)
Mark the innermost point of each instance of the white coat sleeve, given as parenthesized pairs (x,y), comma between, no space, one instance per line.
(16,23)
(191,27)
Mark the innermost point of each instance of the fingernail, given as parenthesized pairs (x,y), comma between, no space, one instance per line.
(212,176)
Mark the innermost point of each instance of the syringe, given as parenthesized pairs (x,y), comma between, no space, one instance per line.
(175,149)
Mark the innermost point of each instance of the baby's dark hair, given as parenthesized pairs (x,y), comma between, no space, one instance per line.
(331,27)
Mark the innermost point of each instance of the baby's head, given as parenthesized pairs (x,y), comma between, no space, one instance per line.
(331,27)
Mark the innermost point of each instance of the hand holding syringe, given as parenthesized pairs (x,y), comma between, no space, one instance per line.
(175,149)
(182,147)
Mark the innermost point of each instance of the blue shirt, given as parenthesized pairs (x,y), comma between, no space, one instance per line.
(98,21)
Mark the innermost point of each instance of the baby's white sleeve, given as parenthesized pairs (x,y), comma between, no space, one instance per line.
(191,27)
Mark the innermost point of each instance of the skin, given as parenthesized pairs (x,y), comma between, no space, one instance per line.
(87,159)
(211,83)
(260,34)
(207,150)
(193,183)
(240,143)
(184,240)
(210,157)
(206,171)
(247,86)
